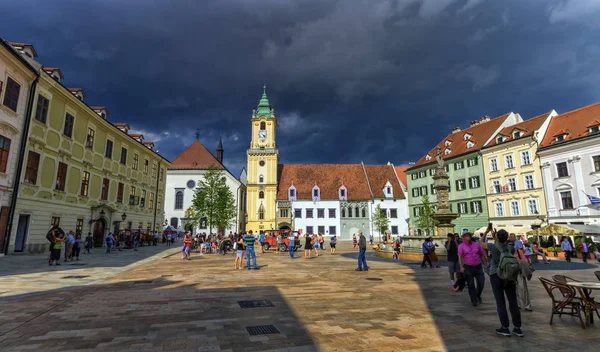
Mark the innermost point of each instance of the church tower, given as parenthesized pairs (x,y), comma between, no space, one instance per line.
(263,158)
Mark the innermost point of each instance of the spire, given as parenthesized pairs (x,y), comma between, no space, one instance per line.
(264,108)
(220,151)
(220,146)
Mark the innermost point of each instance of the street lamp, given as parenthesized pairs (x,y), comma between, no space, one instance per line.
(124,216)
(100,216)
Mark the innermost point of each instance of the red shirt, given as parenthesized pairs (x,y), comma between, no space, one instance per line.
(470,253)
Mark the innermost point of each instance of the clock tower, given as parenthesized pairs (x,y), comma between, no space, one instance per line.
(263,158)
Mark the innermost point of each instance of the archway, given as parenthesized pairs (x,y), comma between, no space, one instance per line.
(98,234)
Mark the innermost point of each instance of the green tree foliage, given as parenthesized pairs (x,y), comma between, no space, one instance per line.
(380,220)
(213,201)
(426,221)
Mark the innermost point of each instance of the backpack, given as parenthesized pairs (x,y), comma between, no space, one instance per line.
(508,266)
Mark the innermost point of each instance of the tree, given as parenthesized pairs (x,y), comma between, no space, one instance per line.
(213,201)
(380,220)
(426,221)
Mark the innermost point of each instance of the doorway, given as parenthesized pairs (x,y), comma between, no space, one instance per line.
(98,235)
(22,232)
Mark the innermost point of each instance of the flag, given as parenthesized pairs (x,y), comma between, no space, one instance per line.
(593,199)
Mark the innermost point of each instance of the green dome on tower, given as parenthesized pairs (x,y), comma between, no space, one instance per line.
(264,108)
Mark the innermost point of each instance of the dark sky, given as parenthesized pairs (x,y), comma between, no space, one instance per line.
(350,80)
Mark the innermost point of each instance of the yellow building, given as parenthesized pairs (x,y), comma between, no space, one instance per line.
(263,158)
(514,188)
(82,172)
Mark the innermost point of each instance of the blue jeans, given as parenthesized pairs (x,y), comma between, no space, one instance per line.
(362,262)
(108,246)
(291,249)
(250,252)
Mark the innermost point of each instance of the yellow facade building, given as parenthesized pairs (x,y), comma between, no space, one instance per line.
(82,172)
(514,188)
(263,159)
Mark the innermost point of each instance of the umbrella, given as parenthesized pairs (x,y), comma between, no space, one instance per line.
(179,230)
(170,229)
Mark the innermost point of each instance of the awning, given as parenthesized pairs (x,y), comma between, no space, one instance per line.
(517,230)
(586,229)
(555,230)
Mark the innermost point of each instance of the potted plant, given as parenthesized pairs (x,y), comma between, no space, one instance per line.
(554,250)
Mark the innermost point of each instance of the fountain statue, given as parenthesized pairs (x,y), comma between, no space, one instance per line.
(443,215)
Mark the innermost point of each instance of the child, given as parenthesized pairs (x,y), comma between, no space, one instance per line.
(55,255)
(354,241)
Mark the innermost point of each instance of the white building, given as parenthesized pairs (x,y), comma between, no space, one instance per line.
(186,170)
(570,161)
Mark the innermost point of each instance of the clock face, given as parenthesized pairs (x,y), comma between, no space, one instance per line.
(262,134)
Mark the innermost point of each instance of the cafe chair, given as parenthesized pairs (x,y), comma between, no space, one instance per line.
(563,301)
(597,273)
(565,279)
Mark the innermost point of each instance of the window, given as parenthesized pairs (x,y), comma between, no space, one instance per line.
(529,182)
(496,186)
(315,193)
(41,112)
(55,221)
(462,208)
(261,195)
(562,170)
(123,155)
(423,190)
(33,163)
(594,129)
(349,212)
(512,184)
(508,161)
(431,172)
(79,227)
(61,176)
(298,213)
(389,190)
(342,193)
(422,174)
(174,222)
(332,213)
(11,96)
(292,192)
(321,229)
(105,184)
(474,182)
(143,199)
(332,230)
(4,152)
(309,230)
(596,161)
(146,164)
(320,213)
(532,206)
(261,163)
(414,176)
(499,209)
(566,200)
(132,195)
(309,213)
(499,139)
(179,200)
(158,201)
(68,127)
(393,213)
(516,134)
(261,179)
(109,148)
(136,160)
(459,165)
(154,167)
(283,213)
(394,230)
(525,159)
(85,184)
(472,162)
(560,137)
(431,189)
(364,213)
(476,207)
(416,211)
(494,164)
(263,125)
(120,192)
(461,184)
(415,192)
(161,172)
(514,208)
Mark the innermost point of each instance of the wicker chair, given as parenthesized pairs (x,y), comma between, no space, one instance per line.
(594,305)
(566,300)
(597,273)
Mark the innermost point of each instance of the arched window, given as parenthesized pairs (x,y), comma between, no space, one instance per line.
(261,212)
(364,213)
(261,195)
(343,212)
(263,126)
(179,200)
(356,212)
(349,212)
(174,222)
(261,179)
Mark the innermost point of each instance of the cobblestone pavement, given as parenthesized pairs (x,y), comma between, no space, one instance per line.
(319,304)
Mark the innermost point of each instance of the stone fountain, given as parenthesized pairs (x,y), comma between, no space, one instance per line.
(443,215)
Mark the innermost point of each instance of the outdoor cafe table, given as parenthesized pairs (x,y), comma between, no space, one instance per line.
(587,300)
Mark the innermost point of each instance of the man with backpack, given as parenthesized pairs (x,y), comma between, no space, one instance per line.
(471,256)
(504,273)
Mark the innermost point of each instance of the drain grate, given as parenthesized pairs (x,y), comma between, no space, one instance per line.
(256,304)
(78,264)
(143,282)
(374,279)
(262,330)
(76,277)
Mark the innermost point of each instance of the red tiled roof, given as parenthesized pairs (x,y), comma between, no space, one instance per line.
(576,122)
(136,135)
(480,132)
(24,45)
(328,177)
(378,176)
(593,123)
(121,124)
(527,128)
(50,70)
(401,172)
(98,107)
(195,157)
(76,90)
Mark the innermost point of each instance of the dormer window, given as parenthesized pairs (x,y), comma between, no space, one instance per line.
(470,144)
(292,193)
(447,143)
(388,190)
(427,157)
(560,138)
(447,151)
(594,127)
(561,135)
(516,134)
(316,193)
(499,139)
(468,136)
(343,193)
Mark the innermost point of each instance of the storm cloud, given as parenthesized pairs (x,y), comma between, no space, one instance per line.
(371,80)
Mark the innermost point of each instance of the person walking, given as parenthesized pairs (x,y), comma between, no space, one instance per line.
(315,244)
(58,240)
(500,252)
(136,241)
(307,246)
(187,247)
(109,242)
(321,242)
(426,258)
(89,242)
(292,244)
(69,241)
(239,253)
(278,244)
(584,248)
(362,249)
(77,244)
(261,239)
(453,265)
(471,257)
(371,239)
(332,244)
(249,242)
(567,248)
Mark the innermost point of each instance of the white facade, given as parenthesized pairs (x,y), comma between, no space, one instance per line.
(398,226)
(583,178)
(182,183)
(327,224)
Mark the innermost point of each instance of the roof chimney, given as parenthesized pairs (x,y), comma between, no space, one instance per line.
(456,129)
(474,122)
(484,119)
